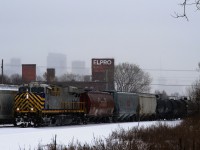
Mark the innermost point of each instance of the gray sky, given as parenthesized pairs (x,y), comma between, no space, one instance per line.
(141,32)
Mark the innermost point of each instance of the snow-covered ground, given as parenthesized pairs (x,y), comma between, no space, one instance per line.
(12,138)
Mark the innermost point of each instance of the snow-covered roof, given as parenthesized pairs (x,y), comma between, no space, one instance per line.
(5,87)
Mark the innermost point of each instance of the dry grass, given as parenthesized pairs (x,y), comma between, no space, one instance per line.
(186,136)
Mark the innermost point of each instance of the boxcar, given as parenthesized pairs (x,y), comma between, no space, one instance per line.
(7,94)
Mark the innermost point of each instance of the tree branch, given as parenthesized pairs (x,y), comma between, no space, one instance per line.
(184,5)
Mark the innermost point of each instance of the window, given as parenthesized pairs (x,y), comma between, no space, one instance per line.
(24,89)
(37,90)
(55,91)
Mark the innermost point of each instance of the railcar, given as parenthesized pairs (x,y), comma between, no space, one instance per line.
(192,107)
(161,109)
(99,106)
(41,104)
(182,108)
(7,94)
(171,109)
(125,106)
(147,106)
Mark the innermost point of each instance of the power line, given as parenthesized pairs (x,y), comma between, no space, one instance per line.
(172,70)
(170,84)
(163,70)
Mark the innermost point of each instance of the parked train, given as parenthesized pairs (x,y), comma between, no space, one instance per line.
(7,94)
(38,104)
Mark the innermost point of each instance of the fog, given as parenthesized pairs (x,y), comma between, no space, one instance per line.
(140,32)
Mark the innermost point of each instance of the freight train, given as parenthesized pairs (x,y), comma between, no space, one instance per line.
(42,104)
(38,104)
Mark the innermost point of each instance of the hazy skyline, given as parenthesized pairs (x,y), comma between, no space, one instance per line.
(139,32)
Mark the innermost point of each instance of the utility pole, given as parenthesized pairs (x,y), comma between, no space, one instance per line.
(2,72)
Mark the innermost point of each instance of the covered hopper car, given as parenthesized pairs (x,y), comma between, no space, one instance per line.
(133,106)
(99,106)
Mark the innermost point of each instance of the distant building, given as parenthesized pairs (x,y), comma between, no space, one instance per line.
(28,73)
(57,61)
(13,67)
(78,68)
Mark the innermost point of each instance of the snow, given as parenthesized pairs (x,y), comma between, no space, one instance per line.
(8,87)
(14,138)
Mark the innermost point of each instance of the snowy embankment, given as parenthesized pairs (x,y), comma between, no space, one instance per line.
(12,138)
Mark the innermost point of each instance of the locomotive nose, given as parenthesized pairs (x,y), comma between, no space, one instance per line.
(27,96)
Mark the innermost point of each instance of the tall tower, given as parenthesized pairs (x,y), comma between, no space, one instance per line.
(57,61)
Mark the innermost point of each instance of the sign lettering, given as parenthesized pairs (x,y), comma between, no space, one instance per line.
(102,62)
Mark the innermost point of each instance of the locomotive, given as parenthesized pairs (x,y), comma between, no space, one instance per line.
(38,104)
(41,104)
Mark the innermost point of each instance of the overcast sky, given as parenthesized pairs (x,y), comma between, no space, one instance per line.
(140,32)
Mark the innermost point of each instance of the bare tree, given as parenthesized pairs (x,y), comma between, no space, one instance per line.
(39,78)
(131,78)
(161,94)
(45,76)
(16,79)
(6,79)
(71,77)
(185,4)
(194,90)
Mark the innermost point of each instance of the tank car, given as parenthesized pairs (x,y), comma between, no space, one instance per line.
(7,94)
(171,109)
(192,107)
(41,104)
(161,109)
(99,106)
(182,108)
